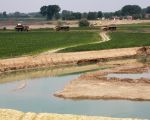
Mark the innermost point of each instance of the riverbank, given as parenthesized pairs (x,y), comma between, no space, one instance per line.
(7,114)
(135,85)
(73,58)
(58,59)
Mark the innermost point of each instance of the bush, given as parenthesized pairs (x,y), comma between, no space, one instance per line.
(59,23)
(83,23)
(4,28)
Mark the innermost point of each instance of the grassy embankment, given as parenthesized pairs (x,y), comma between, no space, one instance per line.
(126,36)
(15,44)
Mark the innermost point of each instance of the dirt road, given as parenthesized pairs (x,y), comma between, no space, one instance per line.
(104,36)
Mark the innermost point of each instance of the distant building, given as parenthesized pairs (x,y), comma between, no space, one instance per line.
(129,17)
(115,18)
(147,16)
(103,18)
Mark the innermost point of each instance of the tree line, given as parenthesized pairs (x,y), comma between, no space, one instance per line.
(53,12)
(20,15)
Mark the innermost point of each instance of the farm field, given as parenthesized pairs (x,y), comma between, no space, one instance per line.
(118,40)
(15,44)
(134,35)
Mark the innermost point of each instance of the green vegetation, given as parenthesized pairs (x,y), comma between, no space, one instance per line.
(50,11)
(15,44)
(118,40)
(77,39)
(136,28)
(84,23)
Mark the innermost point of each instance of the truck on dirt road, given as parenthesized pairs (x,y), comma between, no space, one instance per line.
(109,28)
(20,27)
(62,28)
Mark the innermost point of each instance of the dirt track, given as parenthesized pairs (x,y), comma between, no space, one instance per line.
(104,36)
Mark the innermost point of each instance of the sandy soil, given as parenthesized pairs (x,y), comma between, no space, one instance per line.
(55,59)
(117,22)
(98,86)
(7,114)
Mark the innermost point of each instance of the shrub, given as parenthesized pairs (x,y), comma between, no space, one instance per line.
(4,28)
(83,23)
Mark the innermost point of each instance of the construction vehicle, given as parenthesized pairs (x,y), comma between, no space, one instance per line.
(62,28)
(109,28)
(20,27)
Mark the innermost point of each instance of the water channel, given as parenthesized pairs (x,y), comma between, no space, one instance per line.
(34,92)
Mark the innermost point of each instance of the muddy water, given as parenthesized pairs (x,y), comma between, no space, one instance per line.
(35,94)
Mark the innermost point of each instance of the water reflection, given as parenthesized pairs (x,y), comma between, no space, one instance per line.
(130,76)
(39,73)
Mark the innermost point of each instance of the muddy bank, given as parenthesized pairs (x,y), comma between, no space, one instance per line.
(7,114)
(46,72)
(58,59)
(61,59)
(98,85)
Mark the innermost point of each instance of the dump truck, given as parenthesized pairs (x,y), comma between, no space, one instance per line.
(20,27)
(62,28)
(109,28)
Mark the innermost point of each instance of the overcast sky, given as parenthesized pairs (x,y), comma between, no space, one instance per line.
(74,5)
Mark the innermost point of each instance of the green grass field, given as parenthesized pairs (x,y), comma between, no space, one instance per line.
(15,44)
(134,28)
(118,40)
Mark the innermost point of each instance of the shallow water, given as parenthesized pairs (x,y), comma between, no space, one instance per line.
(130,76)
(37,96)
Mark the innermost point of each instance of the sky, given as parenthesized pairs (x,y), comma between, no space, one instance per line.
(74,5)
